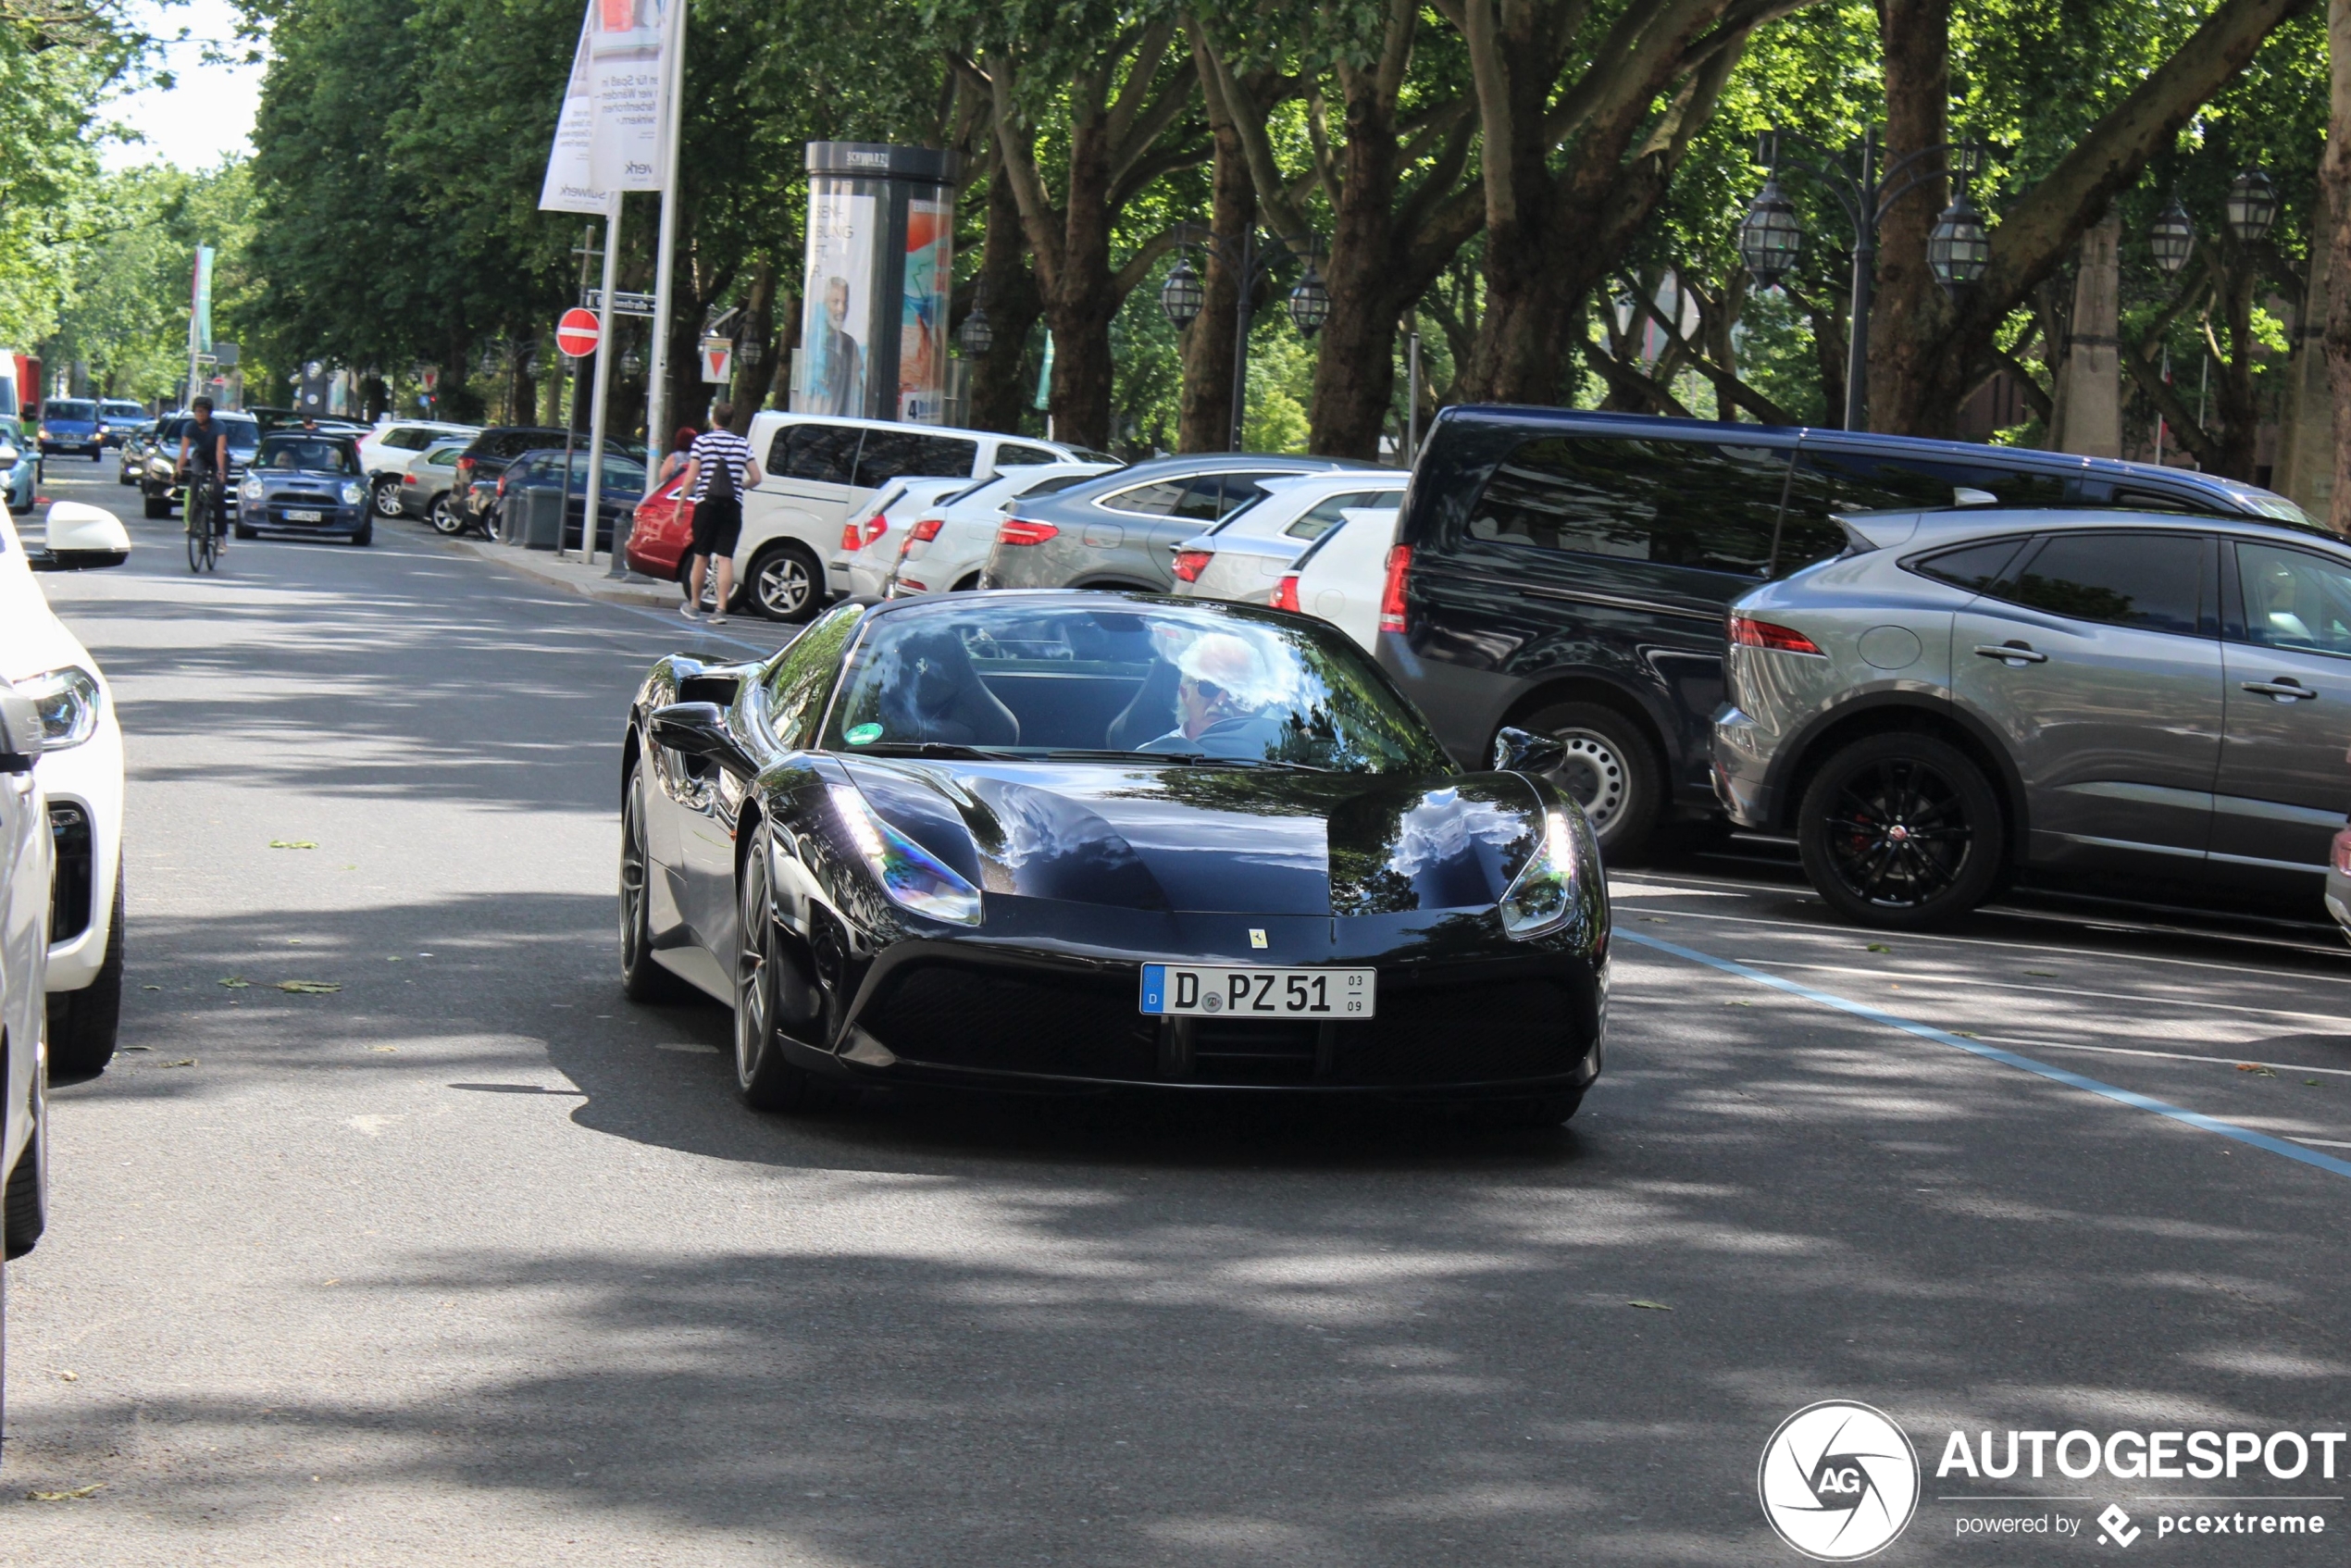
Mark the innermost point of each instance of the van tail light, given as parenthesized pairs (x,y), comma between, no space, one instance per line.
(1391,597)
(1748,632)
(1189,564)
(2339,854)
(1285,594)
(1020,530)
(926,530)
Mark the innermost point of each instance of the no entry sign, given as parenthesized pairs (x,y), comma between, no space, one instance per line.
(577,333)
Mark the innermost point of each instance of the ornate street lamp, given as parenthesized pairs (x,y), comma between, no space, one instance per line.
(1182,296)
(632,363)
(1959,249)
(1309,304)
(2172,239)
(978,336)
(1770,237)
(2251,207)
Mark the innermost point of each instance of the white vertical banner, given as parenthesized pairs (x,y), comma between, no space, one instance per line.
(610,135)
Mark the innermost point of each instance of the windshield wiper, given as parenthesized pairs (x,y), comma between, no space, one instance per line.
(928,749)
(1189,759)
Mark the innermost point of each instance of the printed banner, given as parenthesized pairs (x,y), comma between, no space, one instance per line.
(608,136)
(200,303)
(840,275)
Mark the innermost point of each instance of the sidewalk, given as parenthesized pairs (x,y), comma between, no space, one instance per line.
(567,572)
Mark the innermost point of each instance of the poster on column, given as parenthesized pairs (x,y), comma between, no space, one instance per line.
(922,334)
(842,226)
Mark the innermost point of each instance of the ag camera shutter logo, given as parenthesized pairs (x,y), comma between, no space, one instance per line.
(1839,1481)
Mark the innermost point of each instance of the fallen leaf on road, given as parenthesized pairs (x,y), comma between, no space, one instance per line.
(1880,946)
(1652,1306)
(310,988)
(291,844)
(389,1049)
(1963,1034)
(183,1062)
(135,1047)
(74,1496)
(69,1375)
(2041,974)
(237,982)
(2255,1067)
(151,988)
(2308,1083)
(1654,919)
(1727,1005)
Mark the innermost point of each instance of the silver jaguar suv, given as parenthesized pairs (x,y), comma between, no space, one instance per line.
(1966,694)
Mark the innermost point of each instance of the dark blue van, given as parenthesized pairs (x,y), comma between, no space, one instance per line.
(1569,572)
(71,424)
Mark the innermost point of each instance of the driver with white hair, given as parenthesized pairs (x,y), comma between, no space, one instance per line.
(1221,701)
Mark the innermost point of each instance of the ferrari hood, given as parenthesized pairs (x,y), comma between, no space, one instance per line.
(1205,840)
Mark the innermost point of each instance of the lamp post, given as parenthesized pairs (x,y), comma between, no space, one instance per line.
(1959,249)
(2250,206)
(1183,297)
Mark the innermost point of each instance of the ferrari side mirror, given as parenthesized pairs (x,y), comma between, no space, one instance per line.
(1523,751)
(699,730)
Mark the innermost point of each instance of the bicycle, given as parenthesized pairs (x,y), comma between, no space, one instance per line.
(204,525)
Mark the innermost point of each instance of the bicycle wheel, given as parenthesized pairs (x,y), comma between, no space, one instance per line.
(199,533)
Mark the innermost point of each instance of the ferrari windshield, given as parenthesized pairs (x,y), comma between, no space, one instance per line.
(1111,680)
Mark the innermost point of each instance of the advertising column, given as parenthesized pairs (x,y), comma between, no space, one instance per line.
(874,297)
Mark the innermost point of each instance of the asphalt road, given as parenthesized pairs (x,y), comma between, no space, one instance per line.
(471,1261)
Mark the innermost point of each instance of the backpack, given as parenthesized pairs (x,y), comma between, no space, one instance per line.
(722,479)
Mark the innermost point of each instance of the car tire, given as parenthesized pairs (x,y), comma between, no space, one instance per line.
(765,1080)
(969,584)
(155,506)
(1901,831)
(27,1208)
(642,980)
(384,495)
(365,534)
(785,583)
(1611,770)
(239,530)
(444,518)
(83,1024)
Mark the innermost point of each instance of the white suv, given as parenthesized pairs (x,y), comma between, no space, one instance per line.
(817,469)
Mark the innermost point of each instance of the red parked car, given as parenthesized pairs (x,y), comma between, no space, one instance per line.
(663,532)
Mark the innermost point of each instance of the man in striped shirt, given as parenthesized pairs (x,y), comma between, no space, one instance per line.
(719,469)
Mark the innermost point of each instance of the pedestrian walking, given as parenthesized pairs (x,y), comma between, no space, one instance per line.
(719,469)
(679,446)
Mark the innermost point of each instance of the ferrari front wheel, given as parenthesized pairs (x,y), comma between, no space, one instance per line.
(767,1081)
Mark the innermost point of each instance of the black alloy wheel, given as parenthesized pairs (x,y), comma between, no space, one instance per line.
(642,980)
(785,583)
(767,1081)
(1901,831)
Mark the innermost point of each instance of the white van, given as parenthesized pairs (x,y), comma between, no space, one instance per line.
(817,469)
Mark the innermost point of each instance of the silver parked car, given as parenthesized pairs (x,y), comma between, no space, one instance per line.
(1122,531)
(1969,694)
(1243,558)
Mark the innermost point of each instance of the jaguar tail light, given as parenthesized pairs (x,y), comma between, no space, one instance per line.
(1189,564)
(1285,594)
(1748,632)
(1020,530)
(1391,598)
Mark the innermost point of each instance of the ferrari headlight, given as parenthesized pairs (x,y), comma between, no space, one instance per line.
(353,493)
(909,873)
(1543,893)
(68,700)
(253,489)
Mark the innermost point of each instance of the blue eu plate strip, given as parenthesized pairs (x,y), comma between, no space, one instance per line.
(2009,1058)
(1154,988)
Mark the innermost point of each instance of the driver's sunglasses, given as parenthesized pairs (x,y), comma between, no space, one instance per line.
(1205,689)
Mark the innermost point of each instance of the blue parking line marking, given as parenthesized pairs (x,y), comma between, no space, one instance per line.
(2009,1058)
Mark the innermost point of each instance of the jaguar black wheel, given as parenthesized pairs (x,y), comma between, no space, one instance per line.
(1900,830)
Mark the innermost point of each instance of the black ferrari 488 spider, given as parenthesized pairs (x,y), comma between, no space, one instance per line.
(1083,841)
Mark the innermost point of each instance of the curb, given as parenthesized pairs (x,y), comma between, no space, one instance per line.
(632,589)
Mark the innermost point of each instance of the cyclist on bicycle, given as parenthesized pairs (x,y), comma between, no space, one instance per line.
(204,459)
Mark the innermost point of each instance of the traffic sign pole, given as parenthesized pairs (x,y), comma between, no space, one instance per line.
(597,409)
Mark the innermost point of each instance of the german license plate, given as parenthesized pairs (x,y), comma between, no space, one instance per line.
(293,517)
(1190,991)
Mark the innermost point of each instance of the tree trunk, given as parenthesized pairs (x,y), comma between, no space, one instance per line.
(1371,284)
(2234,402)
(2335,172)
(1079,300)
(2305,437)
(1008,293)
(2089,378)
(1205,412)
(1935,355)
(1915,38)
(750,380)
